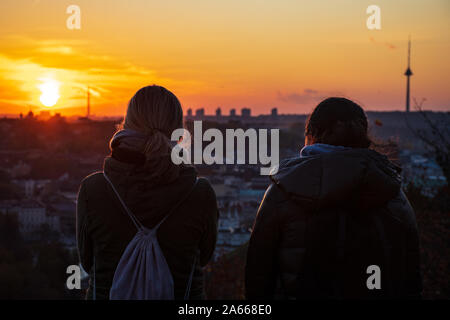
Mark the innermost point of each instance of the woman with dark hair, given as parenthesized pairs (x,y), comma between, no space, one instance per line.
(151,185)
(335,222)
(338,122)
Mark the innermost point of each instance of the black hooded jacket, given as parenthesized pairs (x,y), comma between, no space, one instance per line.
(324,220)
(104,229)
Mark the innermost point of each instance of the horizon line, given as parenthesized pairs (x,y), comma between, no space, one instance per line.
(194,117)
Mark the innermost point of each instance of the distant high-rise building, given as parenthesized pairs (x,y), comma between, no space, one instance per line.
(200,112)
(274,112)
(232,112)
(246,112)
(408,74)
(189,112)
(218,112)
(44,115)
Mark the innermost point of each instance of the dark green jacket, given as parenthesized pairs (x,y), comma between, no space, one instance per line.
(104,229)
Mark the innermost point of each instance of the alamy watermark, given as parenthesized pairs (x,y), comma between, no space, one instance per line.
(73,22)
(373,282)
(374,20)
(254,141)
(74,279)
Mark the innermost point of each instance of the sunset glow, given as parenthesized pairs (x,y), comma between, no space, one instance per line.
(232,54)
(50,92)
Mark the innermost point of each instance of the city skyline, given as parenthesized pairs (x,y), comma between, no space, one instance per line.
(287,55)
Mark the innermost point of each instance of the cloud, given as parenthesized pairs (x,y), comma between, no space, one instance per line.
(112,80)
(66,50)
(386,44)
(307,96)
(73,63)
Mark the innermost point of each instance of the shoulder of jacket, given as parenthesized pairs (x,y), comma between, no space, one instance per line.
(276,194)
(92,180)
(203,184)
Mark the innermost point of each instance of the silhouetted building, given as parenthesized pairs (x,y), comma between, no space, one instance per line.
(200,112)
(232,112)
(189,112)
(218,112)
(31,215)
(274,112)
(57,117)
(44,115)
(246,112)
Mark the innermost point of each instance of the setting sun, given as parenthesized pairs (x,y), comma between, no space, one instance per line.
(50,92)
(233,54)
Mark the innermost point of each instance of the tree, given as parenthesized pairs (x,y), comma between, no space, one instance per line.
(436,137)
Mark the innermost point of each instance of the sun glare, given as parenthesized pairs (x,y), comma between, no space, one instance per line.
(50,92)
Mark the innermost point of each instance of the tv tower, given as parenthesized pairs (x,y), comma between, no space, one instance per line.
(408,74)
(88,111)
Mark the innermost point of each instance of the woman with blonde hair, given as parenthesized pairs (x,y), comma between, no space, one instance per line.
(151,186)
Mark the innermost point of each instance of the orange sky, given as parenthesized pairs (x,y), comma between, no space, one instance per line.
(236,53)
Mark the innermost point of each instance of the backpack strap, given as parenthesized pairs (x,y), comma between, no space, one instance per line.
(187,293)
(140,227)
(191,275)
(176,206)
(133,218)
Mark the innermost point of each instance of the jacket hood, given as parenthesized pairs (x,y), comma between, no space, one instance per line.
(148,198)
(360,178)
